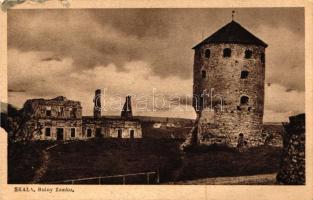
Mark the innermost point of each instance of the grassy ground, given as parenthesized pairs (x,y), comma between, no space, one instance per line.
(103,157)
(221,161)
(24,160)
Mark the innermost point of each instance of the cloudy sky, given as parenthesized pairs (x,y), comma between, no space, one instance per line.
(145,53)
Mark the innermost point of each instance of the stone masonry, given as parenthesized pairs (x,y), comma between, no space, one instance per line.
(229,74)
(292,168)
(61,119)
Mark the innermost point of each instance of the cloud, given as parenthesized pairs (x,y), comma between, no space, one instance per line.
(49,79)
(284,57)
(280,103)
(72,52)
(52,59)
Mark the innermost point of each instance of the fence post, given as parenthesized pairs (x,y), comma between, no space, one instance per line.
(148,178)
(124,180)
(99,181)
(158,176)
(72,182)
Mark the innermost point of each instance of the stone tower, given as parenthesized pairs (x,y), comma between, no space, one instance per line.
(97,104)
(228,88)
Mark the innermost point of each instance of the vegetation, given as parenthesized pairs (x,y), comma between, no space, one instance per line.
(103,157)
(19,124)
(24,159)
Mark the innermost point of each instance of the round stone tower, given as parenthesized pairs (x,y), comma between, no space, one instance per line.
(229,73)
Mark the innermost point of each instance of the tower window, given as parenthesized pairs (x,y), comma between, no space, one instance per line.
(226,52)
(262,57)
(244,74)
(203,74)
(248,53)
(207,53)
(244,100)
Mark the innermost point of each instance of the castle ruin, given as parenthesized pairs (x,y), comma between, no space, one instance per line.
(61,119)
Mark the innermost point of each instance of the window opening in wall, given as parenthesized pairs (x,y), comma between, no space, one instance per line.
(244,74)
(48,111)
(248,54)
(226,52)
(89,132)
(73,132)
(48,132)
(207,53)
(244,100)
(119,133)
(132,134)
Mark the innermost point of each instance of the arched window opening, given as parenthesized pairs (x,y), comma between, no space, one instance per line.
(203,74)
(248,54)
(244,100)
(226,52)
(207,53)
(244,74)
(262,57)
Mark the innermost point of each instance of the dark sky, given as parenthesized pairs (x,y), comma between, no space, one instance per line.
(72,52)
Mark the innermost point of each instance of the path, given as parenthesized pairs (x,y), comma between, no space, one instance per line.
(44,165)
(261,179)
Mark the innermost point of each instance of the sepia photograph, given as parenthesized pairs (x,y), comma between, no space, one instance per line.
(155,96)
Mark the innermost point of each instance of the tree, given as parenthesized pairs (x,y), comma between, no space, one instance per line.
(21,125)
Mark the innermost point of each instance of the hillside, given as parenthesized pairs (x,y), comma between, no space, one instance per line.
(104,157)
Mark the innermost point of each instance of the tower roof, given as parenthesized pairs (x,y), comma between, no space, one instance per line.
(232,32)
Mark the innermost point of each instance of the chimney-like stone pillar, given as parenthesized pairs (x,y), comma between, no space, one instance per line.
(127,109)
(97,104)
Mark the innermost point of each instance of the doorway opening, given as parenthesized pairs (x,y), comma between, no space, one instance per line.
(60,134)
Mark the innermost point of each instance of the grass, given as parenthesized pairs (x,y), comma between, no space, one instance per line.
(103,157)
(221,162)
(23,160)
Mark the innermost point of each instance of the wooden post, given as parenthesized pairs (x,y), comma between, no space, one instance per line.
(99,181)
(124,180)
(148,178)
(158,176)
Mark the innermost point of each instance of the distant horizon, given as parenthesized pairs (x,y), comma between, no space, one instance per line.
(150,116)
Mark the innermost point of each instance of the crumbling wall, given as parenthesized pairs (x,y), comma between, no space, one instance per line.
(109,127)
(59,107)
(292,168)
(65,124)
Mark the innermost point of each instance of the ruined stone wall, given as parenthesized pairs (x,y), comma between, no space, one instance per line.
(59,107)
(292,168)
(65,124)
(110,127)
(230,118)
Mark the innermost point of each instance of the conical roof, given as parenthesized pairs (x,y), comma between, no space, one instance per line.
(232,32)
